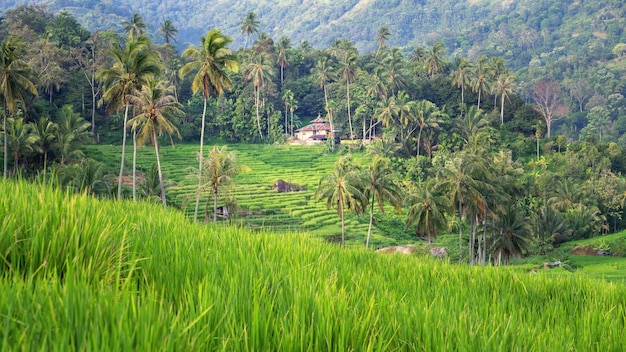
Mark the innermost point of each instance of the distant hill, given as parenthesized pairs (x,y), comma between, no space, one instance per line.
(501,27)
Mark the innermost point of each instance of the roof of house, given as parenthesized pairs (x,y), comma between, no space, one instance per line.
(319,124)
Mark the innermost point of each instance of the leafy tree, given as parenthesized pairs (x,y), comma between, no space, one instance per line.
(341,189)
(211,62)
(158,107)
(379,186)
(220,168)
(322,75)
(548,102)
(133,65)
(15,80)
(428,116)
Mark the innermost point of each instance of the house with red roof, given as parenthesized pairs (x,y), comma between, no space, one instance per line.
(317,131)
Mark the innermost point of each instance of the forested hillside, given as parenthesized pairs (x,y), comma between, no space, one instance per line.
(518,156)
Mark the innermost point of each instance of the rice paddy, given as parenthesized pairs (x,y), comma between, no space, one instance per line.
(81,274)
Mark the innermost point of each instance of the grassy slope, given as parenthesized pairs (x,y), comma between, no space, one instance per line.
(83,274)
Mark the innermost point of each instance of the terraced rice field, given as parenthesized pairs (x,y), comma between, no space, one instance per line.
(259,205)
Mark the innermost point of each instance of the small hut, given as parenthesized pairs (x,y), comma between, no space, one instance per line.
(317,131)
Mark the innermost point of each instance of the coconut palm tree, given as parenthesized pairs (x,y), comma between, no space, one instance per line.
(349,71)
(211,62)
(427,208)
(435,61)
(15,80)
(158,106)
(382,36)
(322,75)
(134,28)
(71,132)
(221,166)
(479,80)
(379,186)
(514,233)
(341,189)
(21,140)
(133,64)
(249,25)
(284,44)
(260,74)
(503,86)
(461,75)
(427,115)
(168,31)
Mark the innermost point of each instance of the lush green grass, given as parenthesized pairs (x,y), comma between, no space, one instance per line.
(80,274)
(261,206)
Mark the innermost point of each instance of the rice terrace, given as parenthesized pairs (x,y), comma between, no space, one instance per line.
(313,176)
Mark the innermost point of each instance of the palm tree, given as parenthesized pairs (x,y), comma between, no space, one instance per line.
(393,62)
(211,62)
(15,80)
(260,74)
(341,190)
(479,80)
(461,75)
(168,32)
(349,70)
(427,209)
(134,28)
(21,140)
(158,106)
(284,44)
(44,130)
(221,166)
(514,233)
(435,61)
(387,111)
(460,178)
(379,186)
(249,25)
(71,132)
(471,125)
(287,99)
(382,36)
(132,66)
(322,75)
(504,86)
(427,115)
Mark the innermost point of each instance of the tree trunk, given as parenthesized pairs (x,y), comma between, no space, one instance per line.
(201,157)
(161,184)
(134,164)
(502,110)
(343,228)
(119,181)
(369,229)
(215,194)
(419,137)
(258,118)
(479,90)
(349,114)
(460,230)
(6,143)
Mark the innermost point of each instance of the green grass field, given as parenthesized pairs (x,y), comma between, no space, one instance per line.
(82,274)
